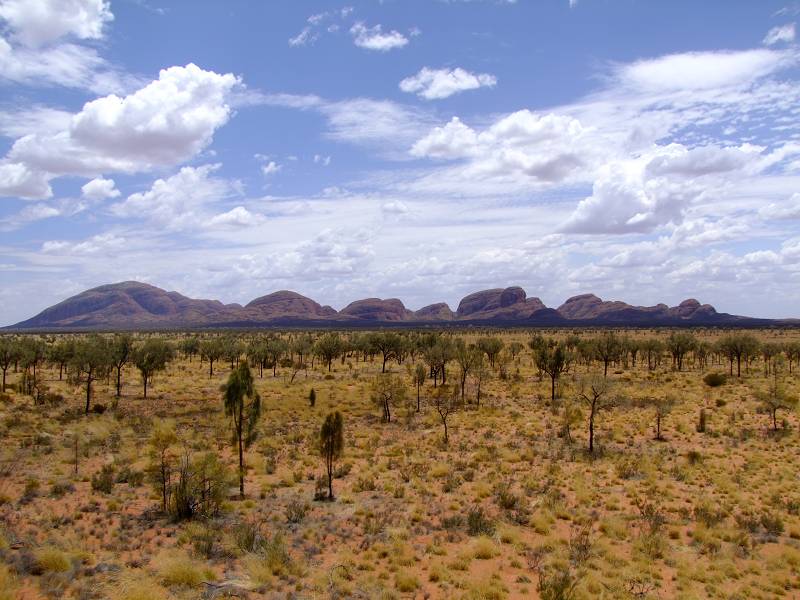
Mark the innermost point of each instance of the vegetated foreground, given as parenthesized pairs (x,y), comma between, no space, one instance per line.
(492,464)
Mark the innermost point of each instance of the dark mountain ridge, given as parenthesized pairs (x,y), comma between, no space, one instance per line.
(135,305)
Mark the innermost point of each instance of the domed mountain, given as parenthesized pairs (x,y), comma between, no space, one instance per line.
(135,305)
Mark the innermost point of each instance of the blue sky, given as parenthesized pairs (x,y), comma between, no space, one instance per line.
(421,149)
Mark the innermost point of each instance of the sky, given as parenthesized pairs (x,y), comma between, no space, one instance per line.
(420,149)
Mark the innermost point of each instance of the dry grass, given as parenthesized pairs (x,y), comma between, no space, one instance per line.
(493,514)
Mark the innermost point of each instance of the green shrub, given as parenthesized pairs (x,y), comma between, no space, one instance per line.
(103,481)
(715,379)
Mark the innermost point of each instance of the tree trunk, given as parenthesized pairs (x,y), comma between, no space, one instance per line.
(591,433)
(119,380)
(330,479)
(241,466)
(144,380)
(88,394)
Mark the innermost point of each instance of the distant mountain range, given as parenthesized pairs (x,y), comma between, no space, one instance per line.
(134,305)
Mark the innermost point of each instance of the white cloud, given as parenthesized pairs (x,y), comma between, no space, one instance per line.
(38,22)
(788,210)
(67,65)
(782,33)
(100,189)
(306,36)
(180,201)
(36,119)
(319,159)
(270,168)
(374,38)
(164,123)
(237,217)
(99,243)
(434,84)
(655,189)
(523,144)
(697,71)
(395,207)
(18,180)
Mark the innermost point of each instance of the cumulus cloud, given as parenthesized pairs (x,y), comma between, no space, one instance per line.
(374,38)
(16,179)
(100,189)
(524,144)
(236,218)
(781,33)
(179,201)
(395,207)
(38,22)
(270,168)
(655,189)
(166,122)
(434,84)
(40,48)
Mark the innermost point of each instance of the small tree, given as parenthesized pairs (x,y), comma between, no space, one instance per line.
(59,354)
(492,346)
(8,356)
(663,405)
(418,378)
(597,394)
(152,357)
(446,401)
(90,362)
(608,348)
(244,415)
(467,356)
(776,398)
(480,372)
(331,445)
(387,391)
(328,347)
(120,349)
(553,360)
(212,351)
(162,460)
(679,345)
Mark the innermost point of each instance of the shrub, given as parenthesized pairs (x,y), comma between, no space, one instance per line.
(772,524)
(701,423)
(138,588)
(275,556)
(179,570)
(296,511)
(557,585)
(715,379)
(200,487)
(406,582)
(484,548)
(8,585)
(506,499)
(103,480)
(695,457)
(51,560)
(478,523)
(60,488)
